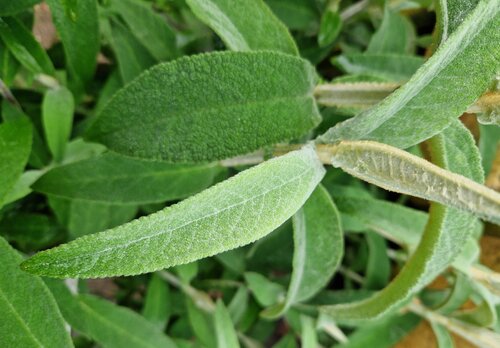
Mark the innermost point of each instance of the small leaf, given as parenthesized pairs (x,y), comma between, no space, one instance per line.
(244,25)
(439,92)
(157,303)
(388,66)
(57,115)
(111,178)
(330,27)
(265,292)
(395,35)
(443,337)
(24,47)
(29,231)
(15,148)
(378,269)
(224,327)
(210,107)
(79,32)
(397,170)
(233,213)
(8,7)
(108,324)
(318,249)
(309,338)
(150,28)
(30,317)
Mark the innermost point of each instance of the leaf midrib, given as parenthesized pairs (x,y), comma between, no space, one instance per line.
(122,246)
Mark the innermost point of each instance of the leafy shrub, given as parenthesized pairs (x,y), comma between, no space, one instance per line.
(235,157)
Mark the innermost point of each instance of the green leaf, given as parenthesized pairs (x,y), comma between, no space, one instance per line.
(224,327)
(383,333)
(330,27)
(111,178)
(388,66)
(9,7)
(202,324)
(110,325)
(446,234)
(133,58)
(395,35)
(451,13)
(265,292)
(30,317)
(398,171)
(22,186)
(15,148)
(78,28)
(489,143)
(157,303)
(24,47)
(443,337)
(29,231)
(318,249)
(150,29)
(378,269)
(296,14)
(236,103)
(439,92)
(57,115)
(86,217)
(308,335)
(8,65)
(244,25)
(233,213)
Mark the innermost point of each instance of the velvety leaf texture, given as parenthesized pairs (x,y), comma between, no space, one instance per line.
(445,235)
(117,179)
(439,91)
(244,25)
(30,317)
(210,106)
(233,213)
(15,147)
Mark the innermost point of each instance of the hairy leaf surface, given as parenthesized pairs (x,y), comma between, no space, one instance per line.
(318,249)
(244,25)
(30,317)
(233,213)
(439,92)
(123,180)
(446,234)
(210,106)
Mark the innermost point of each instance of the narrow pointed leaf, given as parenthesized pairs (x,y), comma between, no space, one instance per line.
(157,302)
(318,249)
(15,148)
(149,27)
(397,170)
(78,27)
(108,324)
(117,179)
(57,114)
(395,35)
(445,235)
(244,25)
(210,107)
(30,317)
(23,46)
(439,92)
(224,327)
(233,213)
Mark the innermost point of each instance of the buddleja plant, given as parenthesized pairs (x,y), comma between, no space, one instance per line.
(125,117)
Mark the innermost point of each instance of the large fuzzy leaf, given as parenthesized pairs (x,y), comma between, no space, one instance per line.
(233,213)
(210,107)
(439,92)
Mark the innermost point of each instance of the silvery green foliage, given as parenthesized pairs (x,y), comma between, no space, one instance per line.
(236,212)
(439,91)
